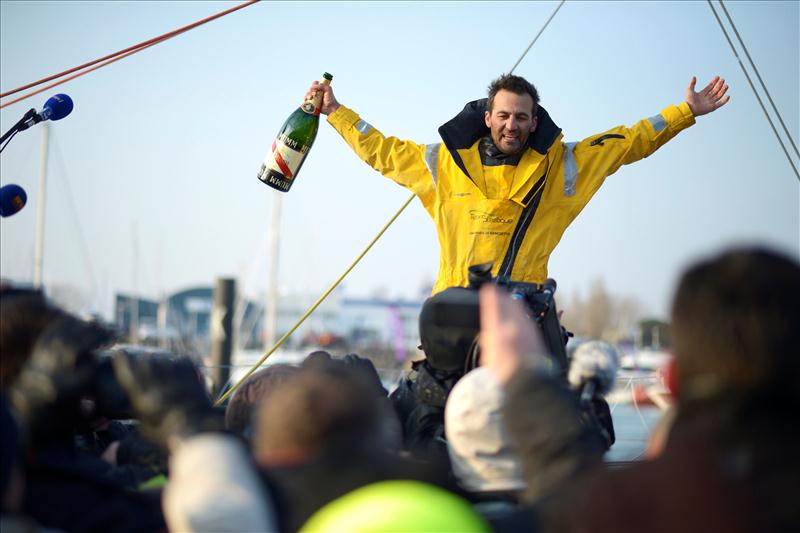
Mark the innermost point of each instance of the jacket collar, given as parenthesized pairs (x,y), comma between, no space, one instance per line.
(463,130)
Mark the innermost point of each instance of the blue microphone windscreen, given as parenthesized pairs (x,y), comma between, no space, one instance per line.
(57,107)
(12,199)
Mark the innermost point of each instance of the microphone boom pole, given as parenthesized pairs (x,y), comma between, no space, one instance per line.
(17,127)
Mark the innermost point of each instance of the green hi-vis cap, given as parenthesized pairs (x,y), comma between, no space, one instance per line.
(328,76)
(399,506)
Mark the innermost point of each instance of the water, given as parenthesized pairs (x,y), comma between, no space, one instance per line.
(632,427)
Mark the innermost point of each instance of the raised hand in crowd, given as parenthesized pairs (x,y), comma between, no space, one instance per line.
(509,339)
(167,397)
(365,370)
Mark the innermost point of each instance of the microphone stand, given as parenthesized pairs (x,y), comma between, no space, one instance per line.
(19,126)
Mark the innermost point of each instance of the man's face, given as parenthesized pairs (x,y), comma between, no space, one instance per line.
(511,121)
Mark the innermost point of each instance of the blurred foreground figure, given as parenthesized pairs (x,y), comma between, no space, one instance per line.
(66,489)
(251,393)
(484,460)
(730,462)
(212,484)
(24,314)
(397,505)
(422,393)
(326,431)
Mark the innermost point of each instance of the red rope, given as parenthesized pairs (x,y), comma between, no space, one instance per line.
(116,56)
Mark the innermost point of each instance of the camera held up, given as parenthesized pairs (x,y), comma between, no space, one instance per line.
(459,311)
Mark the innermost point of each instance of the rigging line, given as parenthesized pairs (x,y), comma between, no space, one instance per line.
(79,74)
(355,262)
(318,302)
(537,37)
(750,81)
(133,48)
(758,75)
(71,200)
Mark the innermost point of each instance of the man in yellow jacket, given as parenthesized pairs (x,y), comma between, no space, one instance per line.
(503,186)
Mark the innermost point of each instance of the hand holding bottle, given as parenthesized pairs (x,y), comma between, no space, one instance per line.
(329,102)
(295,138)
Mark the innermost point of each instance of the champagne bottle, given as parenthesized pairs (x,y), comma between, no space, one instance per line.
(292,144)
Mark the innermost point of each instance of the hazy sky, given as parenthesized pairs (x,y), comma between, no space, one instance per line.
(152,184)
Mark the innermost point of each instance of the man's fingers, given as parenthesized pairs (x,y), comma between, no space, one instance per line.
(692,83)
(489,311)
(720,90)
(717,88)
(710,87)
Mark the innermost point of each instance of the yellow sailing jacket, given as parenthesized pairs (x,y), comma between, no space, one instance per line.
(512,216)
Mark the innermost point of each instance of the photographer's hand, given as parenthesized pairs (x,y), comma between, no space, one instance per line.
(168,398)
(366,371)
(60,370)
(509,340)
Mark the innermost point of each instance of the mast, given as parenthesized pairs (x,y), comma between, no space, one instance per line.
(271,305)
(134,331)
(39,250)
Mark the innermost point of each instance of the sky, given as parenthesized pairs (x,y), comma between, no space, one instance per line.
(152,179)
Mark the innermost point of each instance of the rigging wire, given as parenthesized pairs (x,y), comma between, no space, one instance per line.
(87,258)
(115,56)
(758,75)
(336,283)
(79,74)
(537,36)
(752,86)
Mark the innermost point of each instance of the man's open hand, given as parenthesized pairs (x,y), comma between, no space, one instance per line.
(709,99)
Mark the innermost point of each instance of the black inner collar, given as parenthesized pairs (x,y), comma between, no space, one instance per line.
(492,156)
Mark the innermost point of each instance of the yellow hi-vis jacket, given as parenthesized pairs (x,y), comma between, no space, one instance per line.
(510,216)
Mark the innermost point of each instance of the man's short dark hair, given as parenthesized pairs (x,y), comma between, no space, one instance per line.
(735,323)
(317,409)
(514,84)
(253,391)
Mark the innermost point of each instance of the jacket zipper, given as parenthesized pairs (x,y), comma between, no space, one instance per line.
(504,273)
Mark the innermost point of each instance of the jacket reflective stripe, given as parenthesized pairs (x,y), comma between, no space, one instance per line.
(658,122)
(570,169)
(432,159)
(504,273)
(364,127)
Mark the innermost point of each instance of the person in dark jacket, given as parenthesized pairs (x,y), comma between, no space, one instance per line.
(730,462)
(64,488)
(421,395)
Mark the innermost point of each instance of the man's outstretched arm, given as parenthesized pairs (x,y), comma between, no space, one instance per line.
(405,162)
(600,155)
